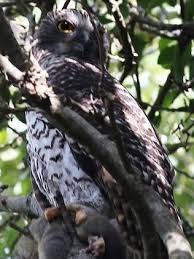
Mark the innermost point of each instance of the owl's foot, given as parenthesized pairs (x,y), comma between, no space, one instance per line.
(52,213)
(96,246)
(80,214)
(84,218)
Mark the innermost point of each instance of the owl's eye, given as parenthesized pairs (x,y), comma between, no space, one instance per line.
(66,27)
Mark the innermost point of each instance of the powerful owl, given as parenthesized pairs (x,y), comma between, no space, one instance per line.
(67,49)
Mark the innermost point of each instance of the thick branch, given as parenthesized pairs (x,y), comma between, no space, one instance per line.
(25,205)
(8,43)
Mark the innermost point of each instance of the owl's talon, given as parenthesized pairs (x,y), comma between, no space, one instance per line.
(96,246)
(80,213)
(52,213)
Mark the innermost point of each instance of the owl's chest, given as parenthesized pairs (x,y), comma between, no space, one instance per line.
(54,167)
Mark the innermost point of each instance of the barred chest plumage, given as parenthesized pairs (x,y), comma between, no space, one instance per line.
(54,168)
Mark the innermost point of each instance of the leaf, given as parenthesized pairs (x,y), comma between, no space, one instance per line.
(191,68)
(191,104)
(3,137)
(172,2)
(189,9)
(180,61)
(157,119)
(148,5)
(166,57)
(139,41)
(165,43)
(169,99)
(124,8)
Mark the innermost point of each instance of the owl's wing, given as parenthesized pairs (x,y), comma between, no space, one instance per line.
(79,82)
(143,149)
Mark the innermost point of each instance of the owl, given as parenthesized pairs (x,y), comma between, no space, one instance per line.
(66,47)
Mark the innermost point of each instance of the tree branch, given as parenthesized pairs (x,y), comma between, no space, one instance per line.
(25,205)
(129,53)
(172,148)
(172,31)
(8,43)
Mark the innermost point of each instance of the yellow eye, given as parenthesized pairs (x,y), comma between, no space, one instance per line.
(66,27)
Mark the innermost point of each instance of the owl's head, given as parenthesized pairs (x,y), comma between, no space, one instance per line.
(71,33)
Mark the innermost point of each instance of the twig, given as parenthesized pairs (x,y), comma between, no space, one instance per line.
(139,17)
(184,86)
(172,148)
(67,2)
(130,61)
(163,34)
(161,96)
(184,173)
(129,53)
(21,134)
(6,222)
(185,109)
(137,85)
(100,48)
(11,3)
(7,110)
(23,231)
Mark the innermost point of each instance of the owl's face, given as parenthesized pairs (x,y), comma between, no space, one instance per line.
(71,33)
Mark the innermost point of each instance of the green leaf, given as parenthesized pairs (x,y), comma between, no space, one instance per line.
(148,5)
(189,9)
(191,68)
(3,137)
(169,99)
(157,120)
(181,59)
(139,41)
(124,8)
(165,43)
(166,57)
(172,2)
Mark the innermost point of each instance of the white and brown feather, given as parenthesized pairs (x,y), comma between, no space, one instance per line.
(54,167)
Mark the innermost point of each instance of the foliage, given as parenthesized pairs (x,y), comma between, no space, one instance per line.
(161,80)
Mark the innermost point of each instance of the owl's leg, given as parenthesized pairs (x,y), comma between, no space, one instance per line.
(52,213)
(79,213)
